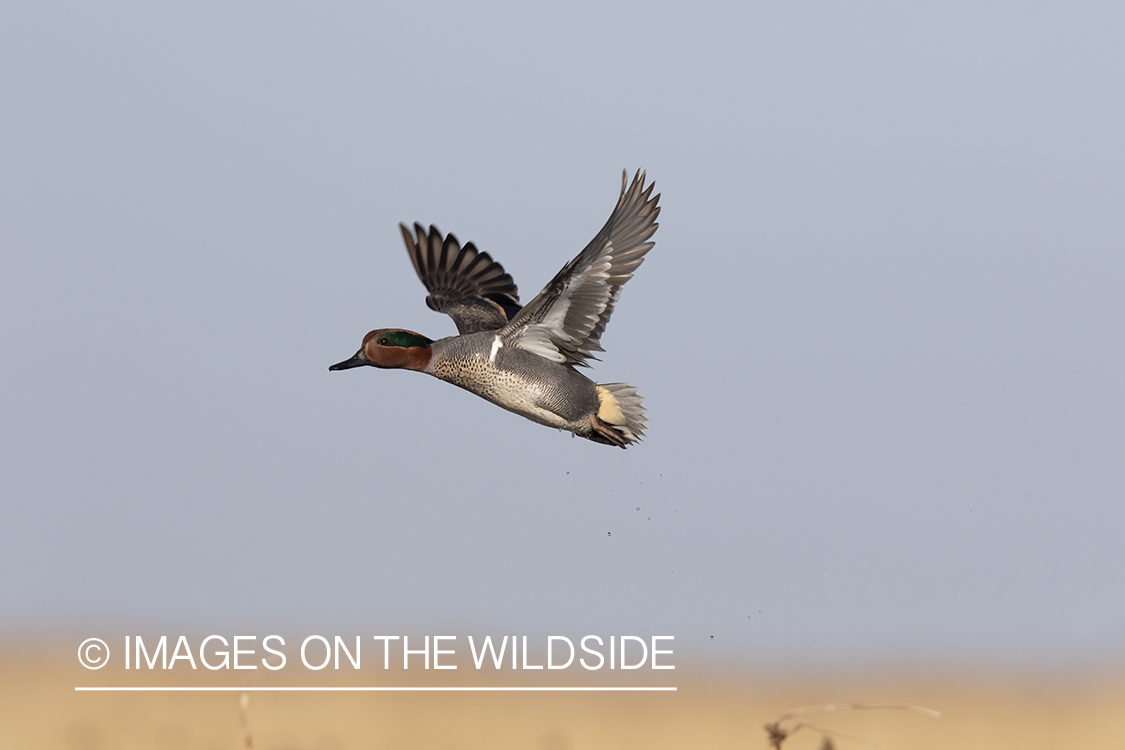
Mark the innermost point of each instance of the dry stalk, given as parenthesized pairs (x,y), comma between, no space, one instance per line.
(244,716)
(777,734)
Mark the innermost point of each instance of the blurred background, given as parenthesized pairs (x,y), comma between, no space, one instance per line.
(879,336)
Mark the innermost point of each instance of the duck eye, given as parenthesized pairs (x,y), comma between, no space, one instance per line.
(384,341)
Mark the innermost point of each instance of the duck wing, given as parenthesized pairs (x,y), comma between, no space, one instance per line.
(564,323)
(464,283)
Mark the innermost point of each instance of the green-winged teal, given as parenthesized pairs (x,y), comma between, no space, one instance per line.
(524,359)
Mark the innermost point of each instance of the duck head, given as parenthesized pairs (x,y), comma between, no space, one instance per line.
(390,348)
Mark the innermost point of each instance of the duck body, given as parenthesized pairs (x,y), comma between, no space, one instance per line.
(524,359)
(519,381)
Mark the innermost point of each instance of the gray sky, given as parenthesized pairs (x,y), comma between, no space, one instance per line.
(880,335)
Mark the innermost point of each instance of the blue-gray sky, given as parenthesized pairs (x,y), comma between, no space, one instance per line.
(880,335)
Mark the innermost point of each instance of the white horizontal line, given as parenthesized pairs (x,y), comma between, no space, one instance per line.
(368,689)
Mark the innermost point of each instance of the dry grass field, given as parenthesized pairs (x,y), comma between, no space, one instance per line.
(40,709)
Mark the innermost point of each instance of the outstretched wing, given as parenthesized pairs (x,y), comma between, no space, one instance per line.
(564,323)
(464,283)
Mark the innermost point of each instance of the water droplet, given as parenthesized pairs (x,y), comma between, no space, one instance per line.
(712,637)
(638,507)
(609,533)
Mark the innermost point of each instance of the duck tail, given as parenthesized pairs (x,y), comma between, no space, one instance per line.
(620,410)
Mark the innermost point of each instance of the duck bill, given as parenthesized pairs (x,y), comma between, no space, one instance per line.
(359,360)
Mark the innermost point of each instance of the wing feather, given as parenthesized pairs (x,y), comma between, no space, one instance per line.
(565,321)
(463,282)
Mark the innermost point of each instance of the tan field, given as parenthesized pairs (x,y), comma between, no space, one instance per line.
(40,709)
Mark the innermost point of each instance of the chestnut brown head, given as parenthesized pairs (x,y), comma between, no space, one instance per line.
(390,348)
